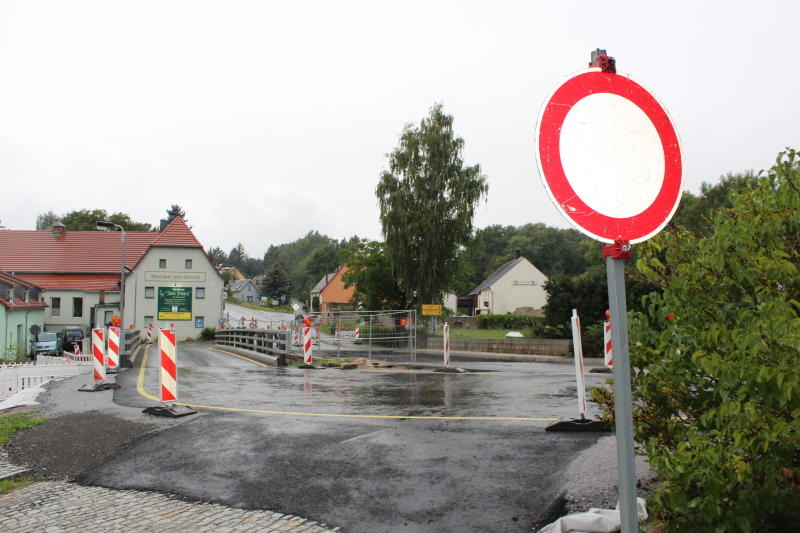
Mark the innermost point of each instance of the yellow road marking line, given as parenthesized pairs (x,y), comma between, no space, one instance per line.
(240,357)
(141,391)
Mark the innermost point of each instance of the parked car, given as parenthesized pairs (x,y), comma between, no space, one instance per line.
(46,343)
(71,335)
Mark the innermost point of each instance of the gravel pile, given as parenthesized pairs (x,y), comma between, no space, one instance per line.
(591,479)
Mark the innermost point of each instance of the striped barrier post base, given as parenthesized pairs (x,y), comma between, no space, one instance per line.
(99,358)
(169,379)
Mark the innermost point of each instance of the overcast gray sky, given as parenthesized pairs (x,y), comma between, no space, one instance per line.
(265,120)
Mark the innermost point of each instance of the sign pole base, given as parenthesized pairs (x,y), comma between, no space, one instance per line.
(578,424)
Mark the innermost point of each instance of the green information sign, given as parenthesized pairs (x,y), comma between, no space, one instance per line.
(174,303)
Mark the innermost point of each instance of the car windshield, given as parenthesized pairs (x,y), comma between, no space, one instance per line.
(47,337)
(73,332)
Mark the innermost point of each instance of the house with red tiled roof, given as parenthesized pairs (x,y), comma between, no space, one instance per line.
(169,278)
(21,306)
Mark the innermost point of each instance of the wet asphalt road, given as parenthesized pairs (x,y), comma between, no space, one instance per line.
(255,450)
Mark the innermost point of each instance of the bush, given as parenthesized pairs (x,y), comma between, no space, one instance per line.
(508,321)
(207,334)
(715,360)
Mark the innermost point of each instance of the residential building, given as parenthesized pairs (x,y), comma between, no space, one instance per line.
(169,278)
(515,287)
(244,290)
(332,294)
(21,306)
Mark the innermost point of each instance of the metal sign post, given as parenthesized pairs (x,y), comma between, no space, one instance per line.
(610,160)
(615,255)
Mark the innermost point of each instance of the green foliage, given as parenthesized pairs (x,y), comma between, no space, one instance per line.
(507,321)
(275,283)
(45,221)
(11,423)
(174,211)
(370,272)
(716,363)
(86,220)
(217,256)
(207,334)
(427,200)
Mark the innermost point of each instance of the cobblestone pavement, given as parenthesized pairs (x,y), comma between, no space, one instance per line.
(59,507)
(8,470)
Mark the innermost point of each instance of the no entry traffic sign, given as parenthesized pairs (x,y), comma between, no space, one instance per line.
(609,156)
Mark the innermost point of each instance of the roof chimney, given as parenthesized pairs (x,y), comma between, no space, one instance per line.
(518,252)
(58,229)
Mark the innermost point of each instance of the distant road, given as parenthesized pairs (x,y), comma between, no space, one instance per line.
(234,314)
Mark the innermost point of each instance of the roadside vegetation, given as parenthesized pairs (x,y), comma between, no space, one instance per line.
(715,358)
(9,424)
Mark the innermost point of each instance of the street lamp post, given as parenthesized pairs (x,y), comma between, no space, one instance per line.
(110,226)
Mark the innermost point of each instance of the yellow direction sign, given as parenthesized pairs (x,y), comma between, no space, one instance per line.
(431,309)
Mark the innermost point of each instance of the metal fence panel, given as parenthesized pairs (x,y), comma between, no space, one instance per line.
(373,334)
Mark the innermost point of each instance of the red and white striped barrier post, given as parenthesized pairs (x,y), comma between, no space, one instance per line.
(446,344)
(169,365)
(307,357)
(578,351)
(149,333)
(609,362)
(113,348)
(358,333)
(99,355)
(316,336)
(76,349)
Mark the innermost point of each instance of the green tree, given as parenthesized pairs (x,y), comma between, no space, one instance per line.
(323,260)
(174,211)
(237,257)
(217,256)
(695,213)
(292,257)
(427,201)
(370,273)
(715,360)
(275,283)
(45,221)
(86,220)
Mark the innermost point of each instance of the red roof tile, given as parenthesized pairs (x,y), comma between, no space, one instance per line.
(177,233)
(84,252)
(86,282)
(8,279)
(19,303)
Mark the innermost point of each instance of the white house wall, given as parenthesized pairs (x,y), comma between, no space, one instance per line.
(66,316)
(522,286)
(141,309)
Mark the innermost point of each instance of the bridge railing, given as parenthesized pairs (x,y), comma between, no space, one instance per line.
(264,341)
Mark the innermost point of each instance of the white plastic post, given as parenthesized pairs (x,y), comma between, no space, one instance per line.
(446,344)
(578,351)
(608,360)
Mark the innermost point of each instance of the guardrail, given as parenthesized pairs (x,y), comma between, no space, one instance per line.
(132,341)
(272,342)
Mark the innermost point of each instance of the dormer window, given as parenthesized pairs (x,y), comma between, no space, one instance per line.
(27,296)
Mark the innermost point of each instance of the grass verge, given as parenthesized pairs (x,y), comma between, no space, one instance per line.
(12,484)
(284,309)
(11,423)
(478,333)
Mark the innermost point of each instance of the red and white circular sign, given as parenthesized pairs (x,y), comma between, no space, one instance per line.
(609,156)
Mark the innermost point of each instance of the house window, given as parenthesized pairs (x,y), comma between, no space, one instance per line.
(148,320)
(162,263)
(55,306)
(149,292)
(108,317)
(200,292)
(249,298)
(199,321)
(188,264)
(77,307)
